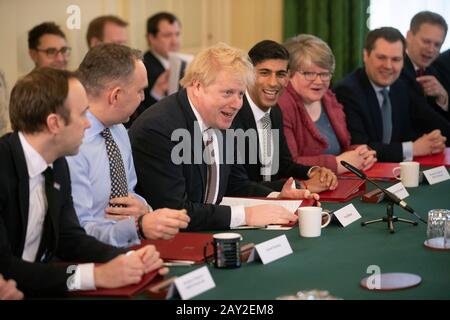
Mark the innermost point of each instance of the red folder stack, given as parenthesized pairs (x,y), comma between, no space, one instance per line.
(347,189)
(436,160)
(379,171)
(124,292)
(185,246)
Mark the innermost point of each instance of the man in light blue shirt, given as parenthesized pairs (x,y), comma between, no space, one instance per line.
(103,174)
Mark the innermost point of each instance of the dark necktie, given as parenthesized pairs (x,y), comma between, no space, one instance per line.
(119,186)
(420,72)
(386,111)
(47,245)
(266,146)
(212,172)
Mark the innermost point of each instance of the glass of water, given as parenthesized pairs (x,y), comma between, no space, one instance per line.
(436,224)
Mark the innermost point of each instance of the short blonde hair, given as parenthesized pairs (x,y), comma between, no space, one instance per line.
(210,61)
(306,49)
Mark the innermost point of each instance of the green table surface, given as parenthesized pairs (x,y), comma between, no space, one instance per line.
(338,259)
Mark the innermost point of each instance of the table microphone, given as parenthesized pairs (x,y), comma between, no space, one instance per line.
(389,194)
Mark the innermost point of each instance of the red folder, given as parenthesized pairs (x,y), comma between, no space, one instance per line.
(436,160)
(124,292)
(347,189)
(185,246)
(379,171)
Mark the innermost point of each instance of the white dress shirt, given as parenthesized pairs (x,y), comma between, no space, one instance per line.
(36,165)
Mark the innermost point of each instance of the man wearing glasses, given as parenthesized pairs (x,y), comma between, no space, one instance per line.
(48,46)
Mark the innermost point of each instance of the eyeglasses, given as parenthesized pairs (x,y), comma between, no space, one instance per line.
(311,76)
(53,52)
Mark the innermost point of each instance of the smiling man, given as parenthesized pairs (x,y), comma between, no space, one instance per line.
(48,47)
(197,176)
(380,110)
(424,41)
(260,113)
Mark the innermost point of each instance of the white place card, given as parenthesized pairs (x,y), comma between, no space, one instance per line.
(192,284)
(347,215)
(437,175)
(399,190)
(271,250)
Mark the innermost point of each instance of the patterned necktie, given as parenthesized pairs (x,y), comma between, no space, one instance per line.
(212,172)
(266,146)
(386,111)
(119,186)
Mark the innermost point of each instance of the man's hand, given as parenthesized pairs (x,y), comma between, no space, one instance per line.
(164,223)
(290,192)
(321,179)
(128,268)
(433,88)
(263,215)
(119,272)
(151,260)
(161,84)
(431,143)
(132,207)
(8,290)
(361,158)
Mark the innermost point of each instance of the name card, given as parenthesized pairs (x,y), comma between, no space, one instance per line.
(347,215)
(399,190)
(436,175)
(192,284)
(271,250)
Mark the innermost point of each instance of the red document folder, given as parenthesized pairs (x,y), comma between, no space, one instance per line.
(436,160)
(124,292)
(346,190)
(185,246)
(379,171)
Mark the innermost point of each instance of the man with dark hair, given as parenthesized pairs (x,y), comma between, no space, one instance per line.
(107,29)
(380,110)
(260,113)
(424,40)
(48,47)
(163,36)
(37,219)
(115,78)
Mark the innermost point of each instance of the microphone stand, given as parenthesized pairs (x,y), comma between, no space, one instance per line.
(389,218)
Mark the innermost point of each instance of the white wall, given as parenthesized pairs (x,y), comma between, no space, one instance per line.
(238,22)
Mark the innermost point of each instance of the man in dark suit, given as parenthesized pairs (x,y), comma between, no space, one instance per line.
(37,218)
(442,66)
(184,159)
(163,36)
(270,60)
(381,112)
(424,40)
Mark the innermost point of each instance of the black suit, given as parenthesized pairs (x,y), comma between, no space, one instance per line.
(166,184)
(245,120)
(442,67)
(154,70)
(410,116)
(62,235)
(409,76)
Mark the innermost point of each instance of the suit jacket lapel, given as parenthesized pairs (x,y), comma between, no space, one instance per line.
(197,145)
(24,189)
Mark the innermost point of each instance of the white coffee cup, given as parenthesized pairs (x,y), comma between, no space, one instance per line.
(409,173)
(310,221)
